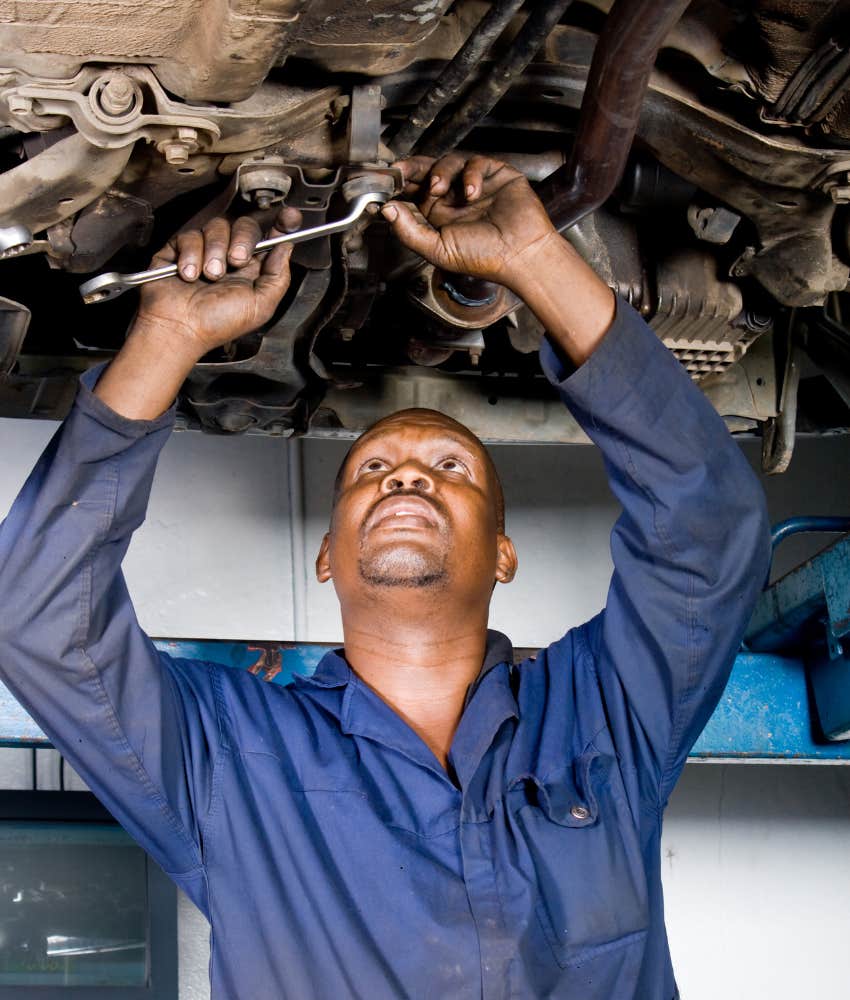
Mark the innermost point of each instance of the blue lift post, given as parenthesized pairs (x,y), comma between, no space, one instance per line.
(787,700)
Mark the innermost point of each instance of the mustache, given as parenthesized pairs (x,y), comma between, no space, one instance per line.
(438,507)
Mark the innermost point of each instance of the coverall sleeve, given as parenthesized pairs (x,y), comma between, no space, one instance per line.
(690,549)
(141,728)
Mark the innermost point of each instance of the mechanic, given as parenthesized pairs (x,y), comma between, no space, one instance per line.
(419,818)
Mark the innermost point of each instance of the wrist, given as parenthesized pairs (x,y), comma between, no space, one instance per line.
(549,260)
(166,338)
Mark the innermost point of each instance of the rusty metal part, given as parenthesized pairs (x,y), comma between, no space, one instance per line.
(364,123)
(222,55)
(112,221)
(38,104)
(771,180)
(698,317)
(382,36)
(14,322)
(263,391)
(616,85)
(455,76)
(485,94)
(427,290)
(264,181)
(58,182)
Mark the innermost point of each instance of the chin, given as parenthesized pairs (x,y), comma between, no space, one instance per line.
(401,566)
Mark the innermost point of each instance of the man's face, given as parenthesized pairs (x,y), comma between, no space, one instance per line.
(416,509)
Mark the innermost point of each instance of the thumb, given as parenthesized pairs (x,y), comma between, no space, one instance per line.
(414,231)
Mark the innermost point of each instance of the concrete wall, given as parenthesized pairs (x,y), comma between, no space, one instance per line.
(756,869)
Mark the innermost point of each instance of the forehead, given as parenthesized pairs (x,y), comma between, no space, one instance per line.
(412,429)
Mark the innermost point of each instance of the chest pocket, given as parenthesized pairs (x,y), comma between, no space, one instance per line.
(584,854)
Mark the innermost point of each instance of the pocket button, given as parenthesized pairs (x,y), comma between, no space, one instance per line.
(580,812)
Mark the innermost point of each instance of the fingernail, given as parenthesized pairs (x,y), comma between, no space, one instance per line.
(470,190)
(215,268)
(390,212)
(239,253)
(434,182)
(190,271)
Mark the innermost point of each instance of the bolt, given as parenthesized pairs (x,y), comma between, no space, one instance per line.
(178,149)
(117,95)
(346,332)
(263,198)
(175,152)
(19,105)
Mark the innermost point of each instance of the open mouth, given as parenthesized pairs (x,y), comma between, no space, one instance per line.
(406,512)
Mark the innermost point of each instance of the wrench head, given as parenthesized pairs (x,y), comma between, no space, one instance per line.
(102,288)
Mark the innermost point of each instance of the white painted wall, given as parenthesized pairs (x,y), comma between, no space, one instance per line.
(757,866)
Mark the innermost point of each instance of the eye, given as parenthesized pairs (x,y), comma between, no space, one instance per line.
(374,465)
(451,464)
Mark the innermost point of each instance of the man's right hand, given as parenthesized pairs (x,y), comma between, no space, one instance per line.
(180,319)
(229,303)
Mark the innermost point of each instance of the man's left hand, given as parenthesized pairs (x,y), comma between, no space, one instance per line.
(473,216)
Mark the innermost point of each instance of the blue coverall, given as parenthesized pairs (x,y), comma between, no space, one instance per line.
(328,848)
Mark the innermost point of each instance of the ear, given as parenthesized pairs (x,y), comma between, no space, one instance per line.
(323,561)
(506,560)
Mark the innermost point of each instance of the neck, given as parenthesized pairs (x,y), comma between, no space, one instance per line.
(420,660)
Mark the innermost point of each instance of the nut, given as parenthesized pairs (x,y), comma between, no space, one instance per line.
(117,95)
(180,147)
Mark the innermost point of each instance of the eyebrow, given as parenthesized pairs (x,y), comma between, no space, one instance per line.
(448,437)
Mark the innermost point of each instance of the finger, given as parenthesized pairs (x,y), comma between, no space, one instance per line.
(244,236)
(445,172)
(476,172)
(414,230)
(190,254)
(288,220)
(216,242)
(274,280)
(414,170)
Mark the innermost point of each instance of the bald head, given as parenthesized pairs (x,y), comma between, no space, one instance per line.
(420,416)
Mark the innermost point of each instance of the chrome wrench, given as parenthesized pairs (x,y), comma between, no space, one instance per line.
(112,284)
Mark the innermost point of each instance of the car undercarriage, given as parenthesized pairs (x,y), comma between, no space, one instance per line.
(697,155)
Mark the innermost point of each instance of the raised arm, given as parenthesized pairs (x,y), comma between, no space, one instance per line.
(690,549)
(140,728)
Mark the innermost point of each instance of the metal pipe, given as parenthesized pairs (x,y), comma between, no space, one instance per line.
(455,76)
(794,525)
(485,95)
(613,95)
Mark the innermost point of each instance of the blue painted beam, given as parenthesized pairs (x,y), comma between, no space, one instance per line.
(764,713)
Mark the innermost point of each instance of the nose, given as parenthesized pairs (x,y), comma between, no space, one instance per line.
(409,476)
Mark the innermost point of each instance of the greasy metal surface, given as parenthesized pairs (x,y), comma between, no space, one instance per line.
(763,714)
(774,180)
(619,73)
(484,95)
(218,51)
(381,36)
(456,75)
(57,182)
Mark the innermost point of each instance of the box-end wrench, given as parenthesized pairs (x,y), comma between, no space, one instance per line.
(111,285)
